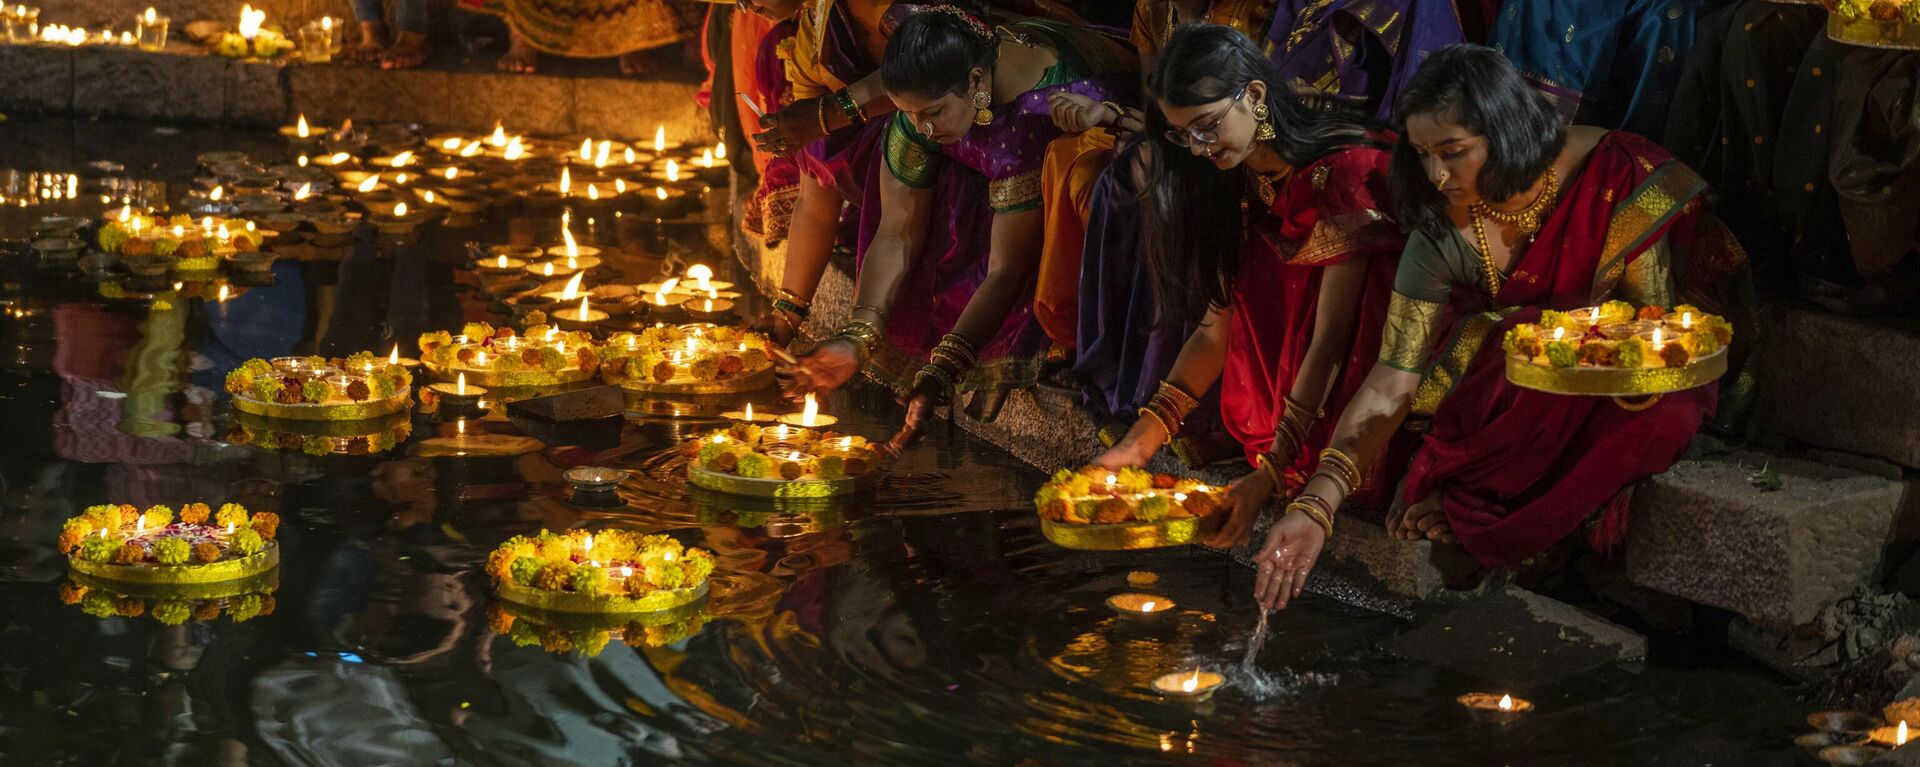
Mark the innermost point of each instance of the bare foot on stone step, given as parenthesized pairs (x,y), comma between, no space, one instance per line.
(521,57)
(1426,519)
(373,39)
(410,50)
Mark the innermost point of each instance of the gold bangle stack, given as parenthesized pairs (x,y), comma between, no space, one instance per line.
(955,348)
(862,334)
(1295,420)
(1266,464)
(1170,405)
(1340,468)
(1317,509)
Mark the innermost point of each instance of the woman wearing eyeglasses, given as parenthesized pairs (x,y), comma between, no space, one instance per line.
(1266,227)
(950,223)
(1510,212)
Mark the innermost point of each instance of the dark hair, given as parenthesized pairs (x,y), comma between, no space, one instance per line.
(932,51)
(1192,209)
(1475,87)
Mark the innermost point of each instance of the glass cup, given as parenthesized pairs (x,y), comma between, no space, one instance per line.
(320,40)
(151,34)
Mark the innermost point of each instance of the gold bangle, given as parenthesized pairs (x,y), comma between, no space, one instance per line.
(1266,464)
(1180,399)
(1119,112)
(822,110)
(877,311)
(862,334)
(1149,412)
(1314,513)
(1343,466)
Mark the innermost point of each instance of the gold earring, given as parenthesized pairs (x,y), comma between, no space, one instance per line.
(1262,130)
(981,114)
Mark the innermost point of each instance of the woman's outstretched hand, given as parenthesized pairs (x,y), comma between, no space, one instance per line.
(785,131)
(1244,498)
(920,402)
(829,366)
(1282,565)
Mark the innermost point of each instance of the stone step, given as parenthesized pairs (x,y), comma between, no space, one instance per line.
(118,14)
(1702,531)
(188,84)
(1841,383)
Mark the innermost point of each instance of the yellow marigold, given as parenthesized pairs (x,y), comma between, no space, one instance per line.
(554,578)
(231,514)
(195,513)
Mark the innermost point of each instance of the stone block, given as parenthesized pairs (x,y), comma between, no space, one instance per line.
(631,109)
(1841,383)
(1703,532)
(334,92)
(1518,637)
(34,77)
(256,93)
(533,104)
(119,14)
(134,83)
(1364,551)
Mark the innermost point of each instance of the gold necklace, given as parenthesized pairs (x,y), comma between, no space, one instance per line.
(1527,219)
(1494,280)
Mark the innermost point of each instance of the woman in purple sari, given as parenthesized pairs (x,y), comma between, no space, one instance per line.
(1354,53)
(950,224)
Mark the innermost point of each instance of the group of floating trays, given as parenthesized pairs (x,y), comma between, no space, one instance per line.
(159,551)
(782,462)
(1097,509)
(1618,351)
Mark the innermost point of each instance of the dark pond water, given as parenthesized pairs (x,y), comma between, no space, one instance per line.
(928,624)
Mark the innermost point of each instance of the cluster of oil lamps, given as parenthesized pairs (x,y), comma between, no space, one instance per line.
(1854,737)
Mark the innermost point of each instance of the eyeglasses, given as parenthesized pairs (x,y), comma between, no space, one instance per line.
(1189,136)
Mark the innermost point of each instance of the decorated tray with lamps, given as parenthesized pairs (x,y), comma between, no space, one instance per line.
(782,462)
(157,547)
(501,357)
(1099,510)
(605,572)
(1616,350)
(356,388)
(696,358)
(1893,24)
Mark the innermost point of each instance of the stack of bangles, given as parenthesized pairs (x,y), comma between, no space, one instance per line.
(1170,405)
(792,308)
(862,334)
(1345,474)
(949,360)
(849,107)
(1287,439)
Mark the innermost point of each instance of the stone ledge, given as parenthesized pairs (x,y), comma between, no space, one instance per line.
(1840,383)
(186,83)
(1702,532)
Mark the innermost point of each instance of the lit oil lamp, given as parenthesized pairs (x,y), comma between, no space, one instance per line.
(550,269)
(711,166)
(1194,686)
(1499,709)
(707,309)
(583,318)
(571,292)
(572,249)
(458,395)
(302,133)
(501,264)
(394,358)
(1139,607)
(809,417)
(1890,737)
(400,220)
(747,416)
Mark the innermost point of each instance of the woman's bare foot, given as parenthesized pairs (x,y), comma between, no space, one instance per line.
(636,63)
(373,39)
(520,58)
(410,50)
(1426,519)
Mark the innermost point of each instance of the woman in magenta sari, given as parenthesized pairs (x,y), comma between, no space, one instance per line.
(950,224)
(1269,232)
(1509,213)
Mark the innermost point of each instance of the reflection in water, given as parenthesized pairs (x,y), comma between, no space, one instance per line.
(924,623)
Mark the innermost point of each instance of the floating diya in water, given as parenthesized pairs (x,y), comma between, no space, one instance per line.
(810,416)
(1137,607)
(1500,709)
(747,415)
(1189,686)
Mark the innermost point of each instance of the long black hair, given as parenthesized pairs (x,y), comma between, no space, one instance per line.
(932,52)
(1477,88)
(1192,209)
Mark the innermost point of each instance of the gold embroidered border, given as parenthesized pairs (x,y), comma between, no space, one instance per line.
(1649,277)
(909,161)
(1657,200)
(1408,338)
(1469,336)
(1020,191)
(1345,233)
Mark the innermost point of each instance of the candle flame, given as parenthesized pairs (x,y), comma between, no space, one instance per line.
(660,138)
(460,426)
(589,546)
(250,21)
(708,305)
(301,161)
(620,186)
(660,192)
(706,158)
(452,173)
(1900,734)
(583,308)
(720,151)
(1506,702)
(668,556)
(749,411)
(400,160)
(573,247)
(673,170)
(399,209)
(152,17)
(586,150)
(1191,683)
(566,181)
(367,184)
(499,137)
(1656,338)
(502,262)
(693,346)
(299,129)
(1559,333)
(338,157)
(593,192)
(224,294)
(701,274)
(1148,606)
(719,438)
(626,571)
(811,412)
(660,296)
(305,191)
(471,149)
(140,526)
(229,528)
(600,158)
(217,193)
(550,332)
(514,150)
(1686,319)
(460,387)
(546,269)
(1111,478)
(451,144)
(573,287)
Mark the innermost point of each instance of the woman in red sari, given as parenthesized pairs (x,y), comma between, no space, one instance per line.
(1270,234)
(1509,212)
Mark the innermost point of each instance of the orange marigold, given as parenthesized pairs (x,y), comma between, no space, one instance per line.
(267,603)
(128,513)
(498,618)
(70,540)
(206,552)
(195,513)
(206,611)
(266,523)
(128,554)
(70,592)
(130,607)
